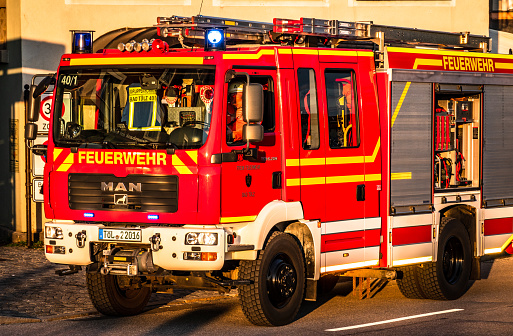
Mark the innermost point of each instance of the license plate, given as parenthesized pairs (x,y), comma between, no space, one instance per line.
(120,235)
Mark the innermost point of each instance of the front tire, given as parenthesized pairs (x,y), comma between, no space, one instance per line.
(110,296)
(278,282)
(448,277)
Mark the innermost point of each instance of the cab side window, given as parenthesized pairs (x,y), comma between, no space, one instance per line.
(234,119)
(308,108)
(342,108)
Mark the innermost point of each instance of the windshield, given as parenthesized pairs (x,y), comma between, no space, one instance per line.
(133,108)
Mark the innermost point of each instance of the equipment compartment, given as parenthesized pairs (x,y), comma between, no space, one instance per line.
(456,120)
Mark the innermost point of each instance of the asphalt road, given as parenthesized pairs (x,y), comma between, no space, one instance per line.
(486,309)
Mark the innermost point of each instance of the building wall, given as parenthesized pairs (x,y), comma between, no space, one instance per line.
(38,33)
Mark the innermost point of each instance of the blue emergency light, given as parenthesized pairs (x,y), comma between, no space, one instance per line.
(215,39)
(153,217)
(82,41)
(89,215)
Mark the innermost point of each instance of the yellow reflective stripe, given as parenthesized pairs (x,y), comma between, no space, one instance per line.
(293,182)
(312,161)
(372,177)
(493,250)
(356,159)
(400,102)
(56,153)
(345,179)
(179,165)
(412,261)
(366,53)
(506,66)
(249,56)
(337,53)
(136,60)
(313,180)
(304,52)
(332,179)
(184,170)
(193,155)
(292,162)
(237,219)
(400,176)
(510,239)
(67,163)
(285,51)
(427,61)
(345,160)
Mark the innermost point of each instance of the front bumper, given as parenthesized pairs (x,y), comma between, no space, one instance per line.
(75,245)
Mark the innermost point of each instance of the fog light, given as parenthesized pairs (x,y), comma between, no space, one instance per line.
(121,46)
(192,255)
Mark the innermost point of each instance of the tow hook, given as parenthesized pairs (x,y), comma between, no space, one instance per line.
(81,238)
(105,269)
(155,242)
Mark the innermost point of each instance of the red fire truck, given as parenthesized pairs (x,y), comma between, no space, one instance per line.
(273,158)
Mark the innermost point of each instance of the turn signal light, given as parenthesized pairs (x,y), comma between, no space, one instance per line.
(203,256)
(208,256)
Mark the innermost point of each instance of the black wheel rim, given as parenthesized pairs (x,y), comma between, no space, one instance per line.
(281,280)
(126,292)
(453,260)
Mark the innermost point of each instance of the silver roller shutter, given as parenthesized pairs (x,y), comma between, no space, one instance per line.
(411,147)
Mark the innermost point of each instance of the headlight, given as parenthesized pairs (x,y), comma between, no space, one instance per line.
(52,232)
(201,238)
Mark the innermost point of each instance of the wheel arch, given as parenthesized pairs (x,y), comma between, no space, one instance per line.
(466,214)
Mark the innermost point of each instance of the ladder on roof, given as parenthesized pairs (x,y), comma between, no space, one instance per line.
(332,32)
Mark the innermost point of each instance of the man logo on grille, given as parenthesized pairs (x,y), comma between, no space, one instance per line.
(132,187)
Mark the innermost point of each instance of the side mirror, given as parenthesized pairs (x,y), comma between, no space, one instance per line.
(253,103)
(252,133)
(30,131)
(34,105)
(42,86)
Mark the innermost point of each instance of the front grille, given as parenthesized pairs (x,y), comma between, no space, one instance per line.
(145,193)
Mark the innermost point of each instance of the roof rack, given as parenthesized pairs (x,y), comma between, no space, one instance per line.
(330,32)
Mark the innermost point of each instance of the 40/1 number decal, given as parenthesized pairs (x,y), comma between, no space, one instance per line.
(69,81)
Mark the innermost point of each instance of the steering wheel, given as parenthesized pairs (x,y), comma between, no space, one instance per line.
(195,122)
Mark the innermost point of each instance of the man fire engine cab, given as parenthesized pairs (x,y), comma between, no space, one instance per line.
(273,158)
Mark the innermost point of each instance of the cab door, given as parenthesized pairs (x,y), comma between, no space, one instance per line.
(312,155)
(349,237)
(248,185)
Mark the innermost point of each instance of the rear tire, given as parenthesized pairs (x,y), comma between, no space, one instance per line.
(278,282)
(109,298)
(409,285)
(448,277)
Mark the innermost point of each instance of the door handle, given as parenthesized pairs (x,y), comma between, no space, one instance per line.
(360,192)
